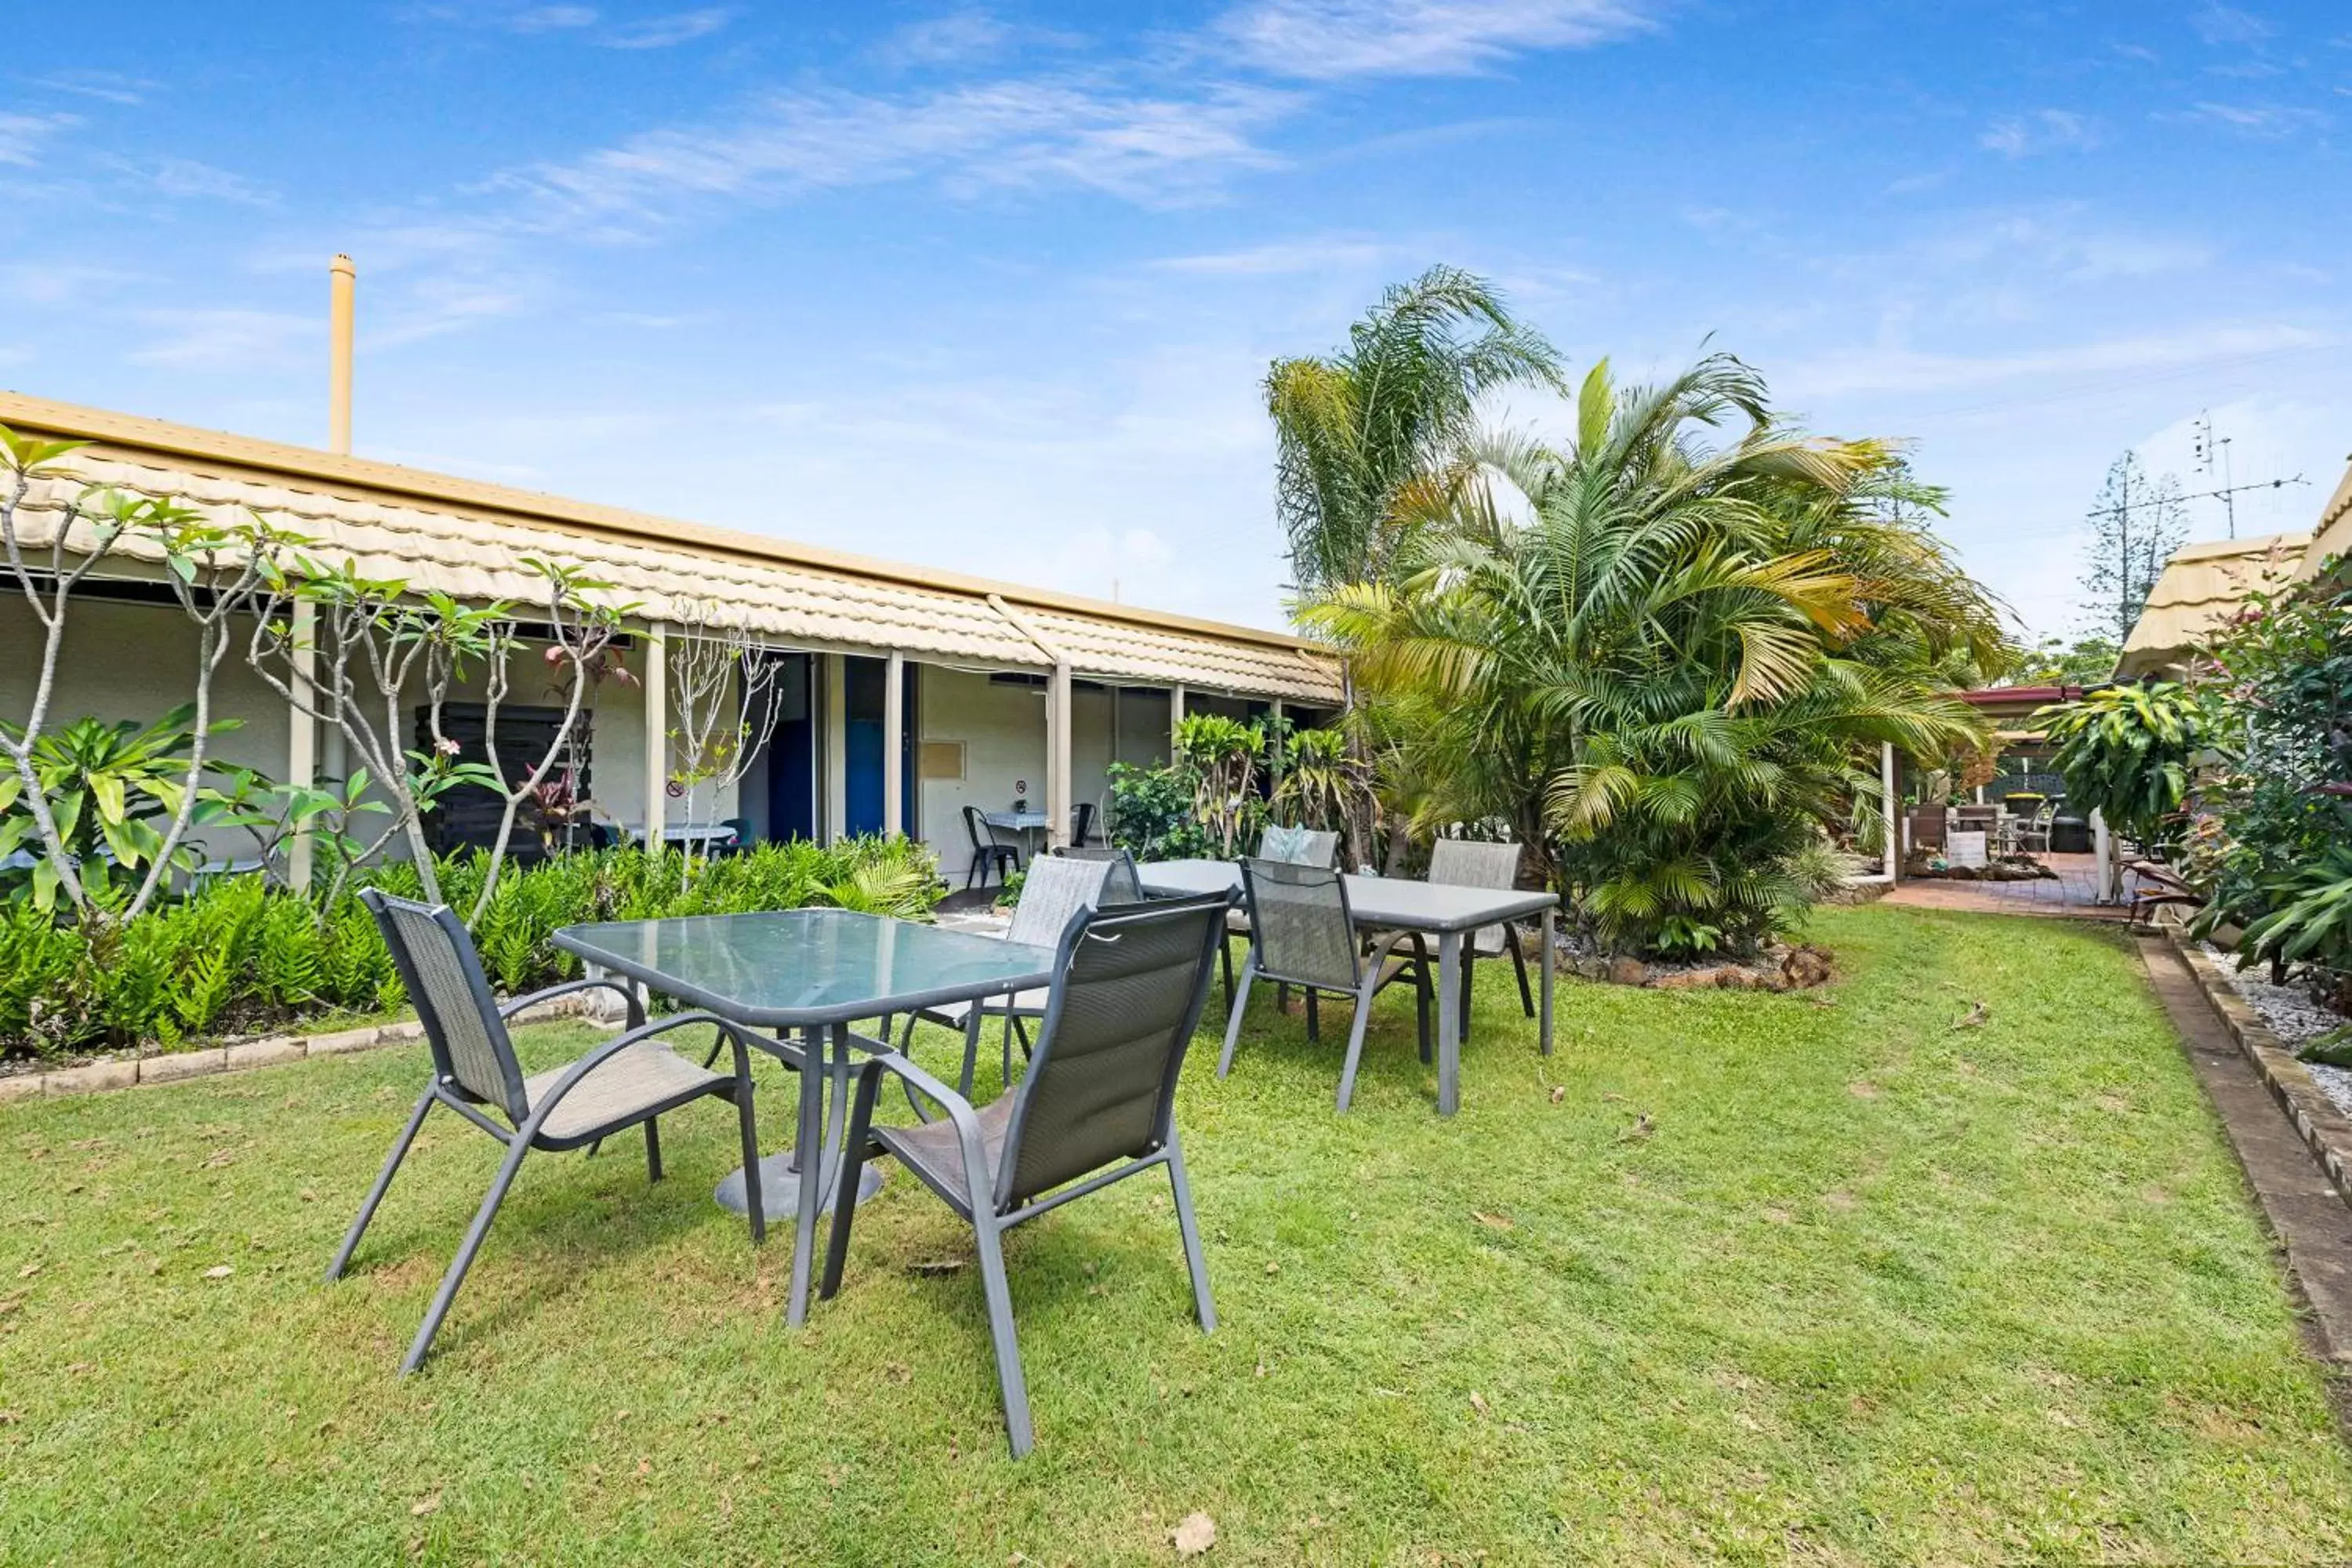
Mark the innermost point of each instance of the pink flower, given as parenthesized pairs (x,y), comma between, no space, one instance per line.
(445,746)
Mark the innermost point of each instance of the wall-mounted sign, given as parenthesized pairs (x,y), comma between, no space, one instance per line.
(1020,786)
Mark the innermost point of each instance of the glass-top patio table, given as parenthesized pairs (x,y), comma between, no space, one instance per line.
(1400,903)
(808,974)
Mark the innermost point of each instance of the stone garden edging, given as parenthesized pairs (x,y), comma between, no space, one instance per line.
(2324,1129)
(109,1074)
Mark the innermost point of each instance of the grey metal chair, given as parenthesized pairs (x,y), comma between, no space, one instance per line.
(1460,863)
(1097,1106)
(1302,934)
(1122,884)
(630,1080)
(988,854)
(1056,886)
(1311,846)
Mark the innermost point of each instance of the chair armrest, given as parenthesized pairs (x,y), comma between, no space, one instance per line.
(637,1015)
(960,1115)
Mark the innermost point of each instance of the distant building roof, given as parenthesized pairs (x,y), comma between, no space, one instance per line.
(2333,537)
(2200,589)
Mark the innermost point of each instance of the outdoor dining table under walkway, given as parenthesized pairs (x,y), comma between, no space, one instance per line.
(1443,909)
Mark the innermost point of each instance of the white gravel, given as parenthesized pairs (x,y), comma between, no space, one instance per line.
(2292,1016)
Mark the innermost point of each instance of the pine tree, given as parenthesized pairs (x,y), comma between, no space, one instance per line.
(2136,525)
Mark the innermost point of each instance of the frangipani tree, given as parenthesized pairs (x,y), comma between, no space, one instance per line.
(216,573)
(362,649)
(723,697)
(581,630)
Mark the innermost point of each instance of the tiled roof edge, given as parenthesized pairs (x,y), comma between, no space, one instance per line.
(46,416)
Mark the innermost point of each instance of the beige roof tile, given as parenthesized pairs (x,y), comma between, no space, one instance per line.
(2333,537)
(2198,590)
(470,540)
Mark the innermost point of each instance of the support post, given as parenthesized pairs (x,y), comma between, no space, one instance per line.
(1057,757)
(1888,807)
(1175,716)
(656,688)
(835,751)
(302,736)
(2103,849)
(894,746)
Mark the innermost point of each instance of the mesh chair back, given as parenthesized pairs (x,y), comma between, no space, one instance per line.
(437,963)
(1459,863)
(1299,846)
(1121,884)
(1300,925)
(1128,987)
(1057,887)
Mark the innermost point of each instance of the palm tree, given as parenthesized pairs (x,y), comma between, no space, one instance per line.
(1669,668)
(1365,430)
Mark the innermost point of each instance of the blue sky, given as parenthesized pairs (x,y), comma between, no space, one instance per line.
(993,287)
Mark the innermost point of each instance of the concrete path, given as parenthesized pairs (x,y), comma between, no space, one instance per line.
(2311,1221)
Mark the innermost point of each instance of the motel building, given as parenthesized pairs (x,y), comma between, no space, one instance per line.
(903,695)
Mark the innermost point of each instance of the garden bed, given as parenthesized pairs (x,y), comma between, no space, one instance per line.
(2293,1014)
(238,959)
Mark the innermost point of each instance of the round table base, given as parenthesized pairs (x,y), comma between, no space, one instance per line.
(780,1188)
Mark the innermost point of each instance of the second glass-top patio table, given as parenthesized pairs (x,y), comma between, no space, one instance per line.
(808,974)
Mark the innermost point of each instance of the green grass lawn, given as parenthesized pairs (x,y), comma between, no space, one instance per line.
(1730,1276)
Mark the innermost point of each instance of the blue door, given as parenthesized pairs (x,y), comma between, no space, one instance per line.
(861,745)
(792,751)
(863,682)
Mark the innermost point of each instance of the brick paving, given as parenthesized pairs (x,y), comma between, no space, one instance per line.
(2072,895)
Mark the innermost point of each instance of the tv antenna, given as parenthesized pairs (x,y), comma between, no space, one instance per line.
(2214,461)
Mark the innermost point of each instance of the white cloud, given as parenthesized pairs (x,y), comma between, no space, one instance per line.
(665,32)
(2269,122)
(1327,40)
(1286,257)
(2041,131)
(57,282)
(500,17)
(185,177)
(112,86)
(945,40)
(2227,25)
(1013,134)
(1896,369)
(548,19)
(22,136)
(228,340)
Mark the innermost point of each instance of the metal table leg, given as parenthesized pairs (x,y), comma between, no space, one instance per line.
(808,1133)
(805,1188)
(1449,1022)
(1550,961)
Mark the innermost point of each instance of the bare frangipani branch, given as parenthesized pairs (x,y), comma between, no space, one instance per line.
(722,690)
(582,631)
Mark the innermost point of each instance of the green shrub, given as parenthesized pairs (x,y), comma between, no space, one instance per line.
(236,954)
(1152,813)
(2127,751)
